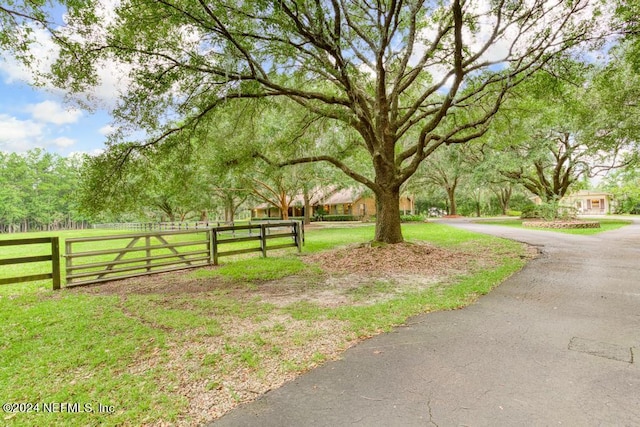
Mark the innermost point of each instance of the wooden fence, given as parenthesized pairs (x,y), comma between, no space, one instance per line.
(265,232)
(187,225)
(141,254)
(54,257)
(163,226)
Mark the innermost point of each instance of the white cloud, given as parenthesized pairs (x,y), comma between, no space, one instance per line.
(19,135)
(107,130)
(63,142)
(43,50)
(114,81)
(53,112)
(509,44)
(113,77)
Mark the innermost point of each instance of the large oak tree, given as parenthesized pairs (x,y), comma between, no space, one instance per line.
(565,126)
(397,78)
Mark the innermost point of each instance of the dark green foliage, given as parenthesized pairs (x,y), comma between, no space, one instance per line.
(340,218)
(430,206)
(160,185)
(37,191)
(549,212)
(411,218)
(625,187)
(190,60)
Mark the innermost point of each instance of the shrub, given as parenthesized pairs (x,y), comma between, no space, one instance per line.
(514,213)
(551,211)
(340,218)
(411,218)
(530,212)
(567,212)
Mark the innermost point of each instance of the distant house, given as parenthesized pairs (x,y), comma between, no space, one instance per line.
(332,201)
(296,204)
(590,202)
(353,201)
(586,202)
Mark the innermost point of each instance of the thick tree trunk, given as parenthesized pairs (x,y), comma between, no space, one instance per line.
(284,212)
(451,194)
(229,209)
(284,206)
(504,197)
(307,207)
(388,228)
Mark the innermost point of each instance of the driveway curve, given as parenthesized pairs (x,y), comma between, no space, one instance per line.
(556,344)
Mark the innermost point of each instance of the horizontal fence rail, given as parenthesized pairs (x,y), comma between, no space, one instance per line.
(186,225)
(134,255)
(53,256)
(163,226)
(255,232)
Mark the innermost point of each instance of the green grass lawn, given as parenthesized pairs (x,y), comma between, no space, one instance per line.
(134,352)
(605,225)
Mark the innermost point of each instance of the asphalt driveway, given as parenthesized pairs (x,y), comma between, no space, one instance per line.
(556,344)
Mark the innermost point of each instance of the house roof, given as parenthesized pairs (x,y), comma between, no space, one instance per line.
(325,196)
(264,205)
(589,193)
(317,196)
(347,195)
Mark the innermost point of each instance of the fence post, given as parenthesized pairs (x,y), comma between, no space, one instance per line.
(213,241)
(55,262)
(298,240)
(263,239)
(147,242)
(67,252)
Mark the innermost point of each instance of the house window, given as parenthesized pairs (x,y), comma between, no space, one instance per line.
(595,204)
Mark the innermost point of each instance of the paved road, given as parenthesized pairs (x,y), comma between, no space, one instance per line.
(556,344)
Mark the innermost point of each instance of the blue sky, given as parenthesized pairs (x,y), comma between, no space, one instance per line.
(33,117)
(39,117)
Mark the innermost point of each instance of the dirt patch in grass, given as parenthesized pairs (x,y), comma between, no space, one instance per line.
(258,343)
(416,258)
(164,283)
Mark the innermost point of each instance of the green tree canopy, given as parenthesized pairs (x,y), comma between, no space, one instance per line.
(37,191)
(396,79)
(558,129)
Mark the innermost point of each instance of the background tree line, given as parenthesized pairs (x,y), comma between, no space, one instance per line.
(38,192)
(568,123)
(386,84)
(471,100)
